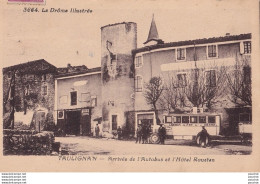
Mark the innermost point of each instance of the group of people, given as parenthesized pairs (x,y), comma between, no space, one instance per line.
(144,132)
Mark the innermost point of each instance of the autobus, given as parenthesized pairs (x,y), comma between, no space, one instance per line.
(188,126)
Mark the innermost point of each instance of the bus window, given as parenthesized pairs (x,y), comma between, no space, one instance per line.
(202,119)
(168,119)
(177,119)
(193,119)
(185,119)
(211,119)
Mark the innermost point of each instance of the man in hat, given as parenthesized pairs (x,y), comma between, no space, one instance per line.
(203,136)
(162,134)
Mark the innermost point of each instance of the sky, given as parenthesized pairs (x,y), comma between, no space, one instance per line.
(62,38)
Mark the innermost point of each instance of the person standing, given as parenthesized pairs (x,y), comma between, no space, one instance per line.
(144,134)
(138,134)
(119,133)
(97,131)
(203,137)
(162,134)
(149,132)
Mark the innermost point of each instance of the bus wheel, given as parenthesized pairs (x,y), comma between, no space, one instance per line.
(154,138)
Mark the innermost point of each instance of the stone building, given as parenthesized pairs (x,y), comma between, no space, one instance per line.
(28,94)
(194,73)
(78,101)
(117,42)
(181,64)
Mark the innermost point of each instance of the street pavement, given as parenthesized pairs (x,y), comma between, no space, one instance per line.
(74,145)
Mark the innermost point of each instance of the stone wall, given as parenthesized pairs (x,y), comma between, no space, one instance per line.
(29,92)
(26,142)
(117,42)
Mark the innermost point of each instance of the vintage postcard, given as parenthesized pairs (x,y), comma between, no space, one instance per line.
(129,85)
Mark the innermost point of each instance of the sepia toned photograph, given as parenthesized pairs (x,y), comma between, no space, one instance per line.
(106,80)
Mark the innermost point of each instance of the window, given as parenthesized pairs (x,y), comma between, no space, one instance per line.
(44,77)
(44,90)
(113,58)
(210,78)
(247,74)
(138,61)
(202,119)
(27,90)
(93,101)
(185,119)
(114,122)
(181,54)
(138,83)
(211,119)
(168,119)
(9,75)
(194,119)
(212,51)
(73,97)
(247,47)
(182,82)
(177,119)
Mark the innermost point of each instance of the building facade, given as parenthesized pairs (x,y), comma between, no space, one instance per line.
(78,100)
(194,73)
(28,95)
(211,74)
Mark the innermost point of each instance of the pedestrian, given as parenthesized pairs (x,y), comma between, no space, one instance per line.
(119,133)
(138,134)
(144,134)
(149,132)
(97,131)
(162,134)
(203,137)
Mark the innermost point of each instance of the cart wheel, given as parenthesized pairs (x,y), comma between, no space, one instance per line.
(154,138)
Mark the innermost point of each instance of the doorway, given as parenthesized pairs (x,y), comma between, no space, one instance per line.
(39,121)
(114,123)
(73,122)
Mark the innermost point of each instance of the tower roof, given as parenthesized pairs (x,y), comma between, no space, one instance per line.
(153,33)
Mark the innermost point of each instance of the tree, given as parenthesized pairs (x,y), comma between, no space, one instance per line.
(239,82)
(152,93)
(197,88)
(173,97)
(204,87)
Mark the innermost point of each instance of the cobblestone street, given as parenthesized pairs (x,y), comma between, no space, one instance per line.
(102,146)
